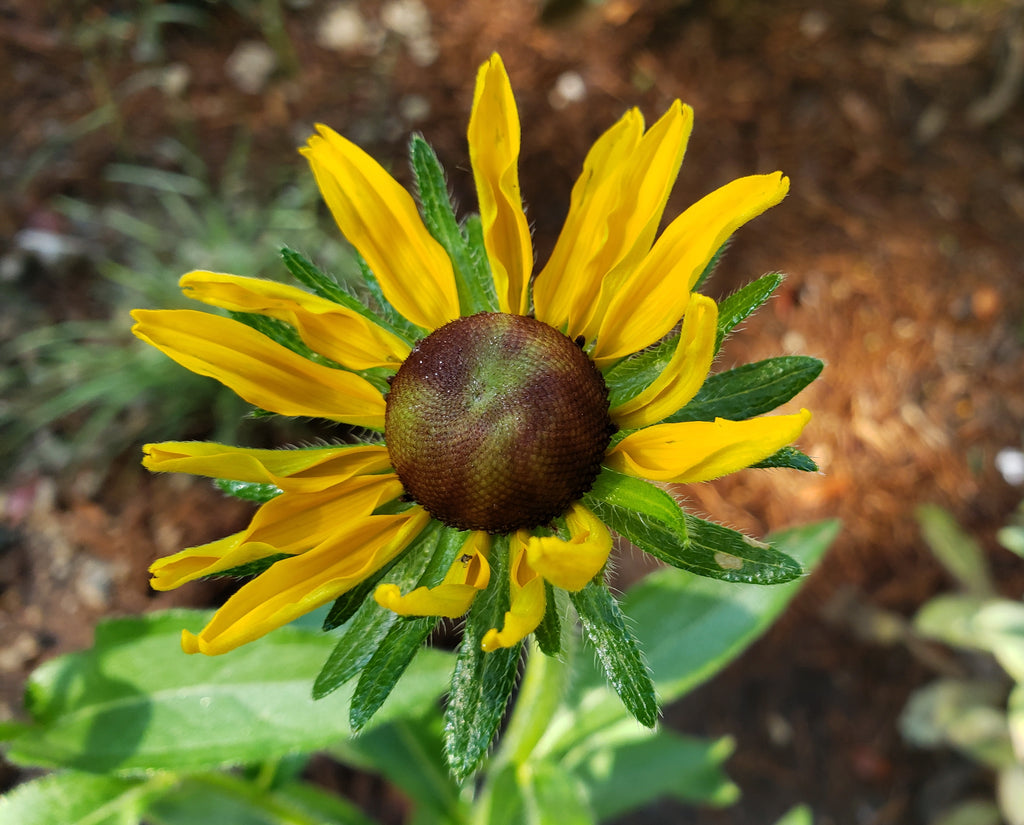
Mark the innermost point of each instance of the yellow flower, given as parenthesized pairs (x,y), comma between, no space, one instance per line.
(495,424)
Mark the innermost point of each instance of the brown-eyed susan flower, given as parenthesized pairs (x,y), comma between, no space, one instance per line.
(503,397)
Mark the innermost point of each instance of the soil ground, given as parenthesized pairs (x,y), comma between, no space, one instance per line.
(901,127)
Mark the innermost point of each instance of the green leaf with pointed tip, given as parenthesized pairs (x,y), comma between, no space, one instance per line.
(549,632)
(650,519)
(954,549)
(386,666)
(473,282)
(73,798)
(789,458)
(248,570)
(253,491)
(135,703)
(306,273)
(743,302)
(482,683)
(633,375)
(750,390)
(712,265)
(371,623)
(617,650)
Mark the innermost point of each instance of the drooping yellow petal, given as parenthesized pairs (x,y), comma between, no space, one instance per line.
(290,523)
(527,604)
(330,329)
(571,564)
(467,576)
(557,294)
(618,219)
(651,300)
(692,451)
(192,563)
(494,155)
(379,218)
(291,470)
(684,374)
(295,586)
(259,370)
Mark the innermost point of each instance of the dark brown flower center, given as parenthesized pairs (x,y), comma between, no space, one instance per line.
(497,422)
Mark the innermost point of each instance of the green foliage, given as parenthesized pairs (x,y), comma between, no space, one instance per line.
(650,518)
(981,714)
(115,387)
(743,302)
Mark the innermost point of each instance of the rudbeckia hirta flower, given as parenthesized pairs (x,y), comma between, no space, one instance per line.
(518,411)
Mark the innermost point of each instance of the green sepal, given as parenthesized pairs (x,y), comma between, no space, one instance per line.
(712,265)
(371,623)
(631,376)
(617,651)
(473,279)
(307,273)
(482,682)
(386,666)
(650,518)
(346,605)
(743,302)
(254,491)
(288,337)
(751,389)
(249,569)
(549,632)
(789,458)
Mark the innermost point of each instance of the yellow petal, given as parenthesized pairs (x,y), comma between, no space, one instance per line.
(693,451)
(379,218)
(467,576)
(206,560)
(684,374)
(291,523)
(494,155)
(291,470)
(558,292)
(260,371)
(330,329)
(295,586)
(526,608)
(571,564)
(652,299)
(619,219)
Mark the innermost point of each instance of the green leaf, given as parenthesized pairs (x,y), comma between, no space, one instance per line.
(309,275)
(630,767)
(346,605)
(631,376)
(617,651)
(409,754)
(649,518)
(482,682)
(223,798)
(254,491)
(553,796)
(962,714)
(712,265)
(743,302)
(136,703)
(386,666)
(689,628)
(789,458)
(958,552)
(751,389)
(549,632)
(802,815)
(371,623)
(73,798)
(473,279)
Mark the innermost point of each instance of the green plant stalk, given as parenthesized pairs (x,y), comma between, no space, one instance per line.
(545,680)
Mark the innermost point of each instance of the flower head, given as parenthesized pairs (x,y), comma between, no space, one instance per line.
(517,411)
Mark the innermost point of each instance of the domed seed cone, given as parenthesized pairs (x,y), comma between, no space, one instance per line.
(497,422)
